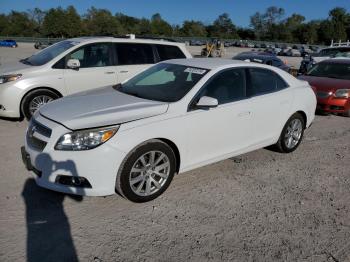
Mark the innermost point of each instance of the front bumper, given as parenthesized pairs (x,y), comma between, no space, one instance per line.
(10,100)
(99,166)
(333,105)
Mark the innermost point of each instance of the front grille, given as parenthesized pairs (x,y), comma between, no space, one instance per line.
(336,107)
(322,94)
(33,140)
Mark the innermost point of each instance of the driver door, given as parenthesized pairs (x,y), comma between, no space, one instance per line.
(216,132)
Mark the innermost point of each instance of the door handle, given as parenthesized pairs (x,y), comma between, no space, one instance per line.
(110,72)
(124,71)
(245,113)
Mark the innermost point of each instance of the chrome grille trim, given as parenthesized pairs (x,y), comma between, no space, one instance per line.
(38,135)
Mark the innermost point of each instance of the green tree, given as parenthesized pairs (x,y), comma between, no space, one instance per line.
(129,24)
(223,27)
(54,24)
(19,24)
(101,22)
(193,28)
(159,26)
(37,16)
(267,26)
(339,20)
(4,24)
(73,22)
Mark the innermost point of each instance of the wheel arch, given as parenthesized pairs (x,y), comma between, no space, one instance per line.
(175,149)
(303,114)
(34,89)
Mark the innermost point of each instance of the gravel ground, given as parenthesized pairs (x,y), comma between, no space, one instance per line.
(261,206)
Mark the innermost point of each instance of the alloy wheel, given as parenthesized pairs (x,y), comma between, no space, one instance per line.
(293,133)
(149,173)
(38,102)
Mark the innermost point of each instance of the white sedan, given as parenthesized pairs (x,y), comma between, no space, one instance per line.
(171,118)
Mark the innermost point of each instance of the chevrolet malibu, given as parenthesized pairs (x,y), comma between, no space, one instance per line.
(178,115)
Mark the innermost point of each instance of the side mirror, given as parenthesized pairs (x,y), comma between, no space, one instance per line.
(73,64)
(207,102)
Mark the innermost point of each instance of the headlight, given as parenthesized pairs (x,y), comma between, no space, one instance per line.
(85,139)
(342,93)
(9,78)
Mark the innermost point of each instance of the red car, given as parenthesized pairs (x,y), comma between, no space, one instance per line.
(331,81)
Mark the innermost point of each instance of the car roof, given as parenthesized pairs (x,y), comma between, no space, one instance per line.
(92,39)
(207,63)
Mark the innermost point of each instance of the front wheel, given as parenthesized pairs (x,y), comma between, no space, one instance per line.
(36,99)
(147,172)
(292,134)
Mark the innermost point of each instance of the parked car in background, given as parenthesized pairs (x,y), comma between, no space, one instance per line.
(312,59)
(41,45)
(76,65)
(331,79)
(292,52)
(330,52)
(262,58)
(173,117)
(8,43)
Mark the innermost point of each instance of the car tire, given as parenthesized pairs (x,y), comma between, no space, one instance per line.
(133,185)
(38,97)
(292,134)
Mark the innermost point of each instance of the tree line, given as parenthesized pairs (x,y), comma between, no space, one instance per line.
(271,25)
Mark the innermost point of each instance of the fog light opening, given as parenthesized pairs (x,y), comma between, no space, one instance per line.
(2,108)
(73,181)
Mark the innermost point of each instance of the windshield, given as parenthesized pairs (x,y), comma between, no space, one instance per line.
(163,82)
(49,53)
(331,70)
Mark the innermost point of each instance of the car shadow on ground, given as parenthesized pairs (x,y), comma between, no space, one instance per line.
(49,235)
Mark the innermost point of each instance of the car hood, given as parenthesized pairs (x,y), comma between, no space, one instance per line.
(326,84)
(14,68)
(100,107)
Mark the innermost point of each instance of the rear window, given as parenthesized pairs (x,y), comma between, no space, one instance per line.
(264,81)
(134,54)
(167,52)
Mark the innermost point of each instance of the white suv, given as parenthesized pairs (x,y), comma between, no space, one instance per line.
(76,65)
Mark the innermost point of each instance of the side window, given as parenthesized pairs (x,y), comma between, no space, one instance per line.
(134,54)
(227,86)
(93,55)
(264,81)
(61,64)
(167,52)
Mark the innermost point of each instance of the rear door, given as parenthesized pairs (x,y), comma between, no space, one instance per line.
(271,100)
(96,68)
(132,58)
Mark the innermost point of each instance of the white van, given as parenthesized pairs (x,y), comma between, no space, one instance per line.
(76,65)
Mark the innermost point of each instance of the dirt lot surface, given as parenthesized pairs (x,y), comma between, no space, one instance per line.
(261,206)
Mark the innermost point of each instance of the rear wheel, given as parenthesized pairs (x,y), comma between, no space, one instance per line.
(292,134)
(36,99)
(147,172)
